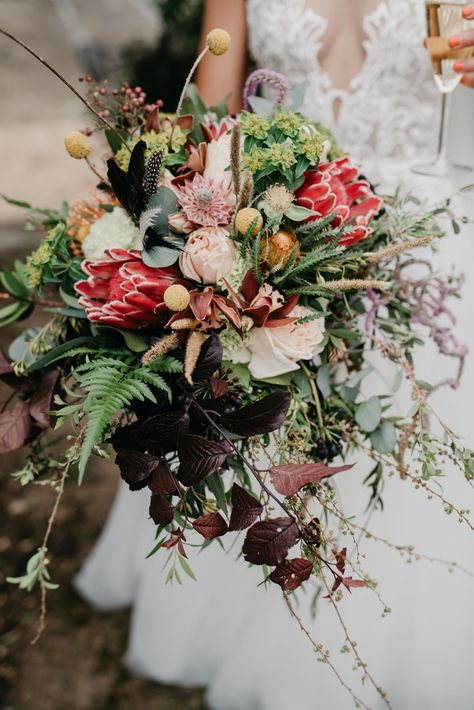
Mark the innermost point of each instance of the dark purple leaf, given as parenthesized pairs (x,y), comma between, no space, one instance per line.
(261,417)
(210,526)
(136,467)
(15,427)
(161,510)
(162,481)
(157,433)
(288,479)
(268,542)
(42,398)
(245,509)
(199,457)
(291,574)
(209,358)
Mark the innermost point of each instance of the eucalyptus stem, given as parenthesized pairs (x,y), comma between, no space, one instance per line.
(66,83)
(314,390)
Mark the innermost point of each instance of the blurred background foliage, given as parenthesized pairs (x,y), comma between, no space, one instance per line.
(162,68)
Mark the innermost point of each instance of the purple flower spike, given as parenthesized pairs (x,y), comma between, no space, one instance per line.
(266,76)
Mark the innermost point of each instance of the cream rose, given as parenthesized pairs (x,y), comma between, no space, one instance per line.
(208,255)
(276,351)
(218,159)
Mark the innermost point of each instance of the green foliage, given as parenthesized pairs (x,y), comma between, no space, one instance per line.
(110,385)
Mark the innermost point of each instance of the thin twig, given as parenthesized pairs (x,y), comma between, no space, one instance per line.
(44,547)
(353,646)
(324,654)
(66,83)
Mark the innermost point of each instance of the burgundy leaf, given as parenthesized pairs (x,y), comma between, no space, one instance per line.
(199,457)
(341,560)
(349,583)
(268,542)
(209,359)
(162,481)
(42,399)
(211,525)
(136,467)
(159,433)
(245,509)
(260,417)
(290,478)
(291,574)
(219,388)
(161,510)
(15,427)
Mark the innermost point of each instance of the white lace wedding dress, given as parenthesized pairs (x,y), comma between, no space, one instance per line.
(223,632)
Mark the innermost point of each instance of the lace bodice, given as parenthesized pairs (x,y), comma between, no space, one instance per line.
(391,109)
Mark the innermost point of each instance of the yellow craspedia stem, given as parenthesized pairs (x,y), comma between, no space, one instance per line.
(218,41)
(176,297)
(77,145)
(244,219)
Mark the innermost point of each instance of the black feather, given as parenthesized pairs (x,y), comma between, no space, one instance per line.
(128,186)
(152,174)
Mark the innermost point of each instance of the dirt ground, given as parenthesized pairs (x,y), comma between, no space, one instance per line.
(77,663)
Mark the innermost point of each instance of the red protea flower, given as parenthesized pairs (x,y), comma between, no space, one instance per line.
(336,188)
(122,291)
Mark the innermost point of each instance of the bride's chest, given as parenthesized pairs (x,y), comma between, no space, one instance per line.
(297,36)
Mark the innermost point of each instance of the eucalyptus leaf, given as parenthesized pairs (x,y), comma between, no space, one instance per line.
(160,257)
(296,96)
(368,414)
(299,214)
(262,106)
(323,380)
(384,438)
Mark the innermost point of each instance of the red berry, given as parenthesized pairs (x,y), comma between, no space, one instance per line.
(125,108)
(88,78)
(138,89)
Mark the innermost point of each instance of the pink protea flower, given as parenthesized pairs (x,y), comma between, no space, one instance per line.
(206,202)
(336,187)
(122,291)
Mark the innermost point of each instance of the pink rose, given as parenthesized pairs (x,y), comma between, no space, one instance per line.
(208,255)
(276,351)
(180,223)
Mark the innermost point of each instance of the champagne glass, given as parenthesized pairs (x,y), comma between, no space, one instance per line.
(445,19)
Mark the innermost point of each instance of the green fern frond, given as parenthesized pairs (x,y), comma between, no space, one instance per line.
(110,386)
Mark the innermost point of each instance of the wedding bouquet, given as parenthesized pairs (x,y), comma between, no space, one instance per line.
(213,309)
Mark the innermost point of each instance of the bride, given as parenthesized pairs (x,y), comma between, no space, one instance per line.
(370,80)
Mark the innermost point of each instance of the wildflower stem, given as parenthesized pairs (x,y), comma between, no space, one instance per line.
(185,90)
(66,83)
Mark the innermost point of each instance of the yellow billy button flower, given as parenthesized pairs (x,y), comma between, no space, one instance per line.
(244,219)
(176,298)
(218,42)
(77,145)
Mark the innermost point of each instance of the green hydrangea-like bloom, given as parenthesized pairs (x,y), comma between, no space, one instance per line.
(36,262)
(288,122)
(255,125)
(310,145)
(280,154)
(33,274)
(254,160)
(154,141)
